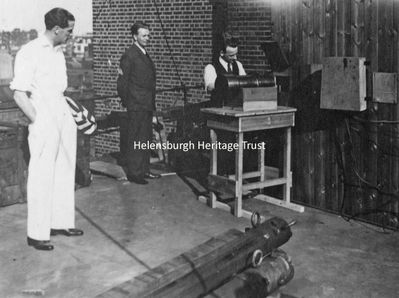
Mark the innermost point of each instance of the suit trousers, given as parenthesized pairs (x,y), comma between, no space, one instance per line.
(51,178)
(139,133)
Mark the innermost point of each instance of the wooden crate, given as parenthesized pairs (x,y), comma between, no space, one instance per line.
(263,98)
(13,167)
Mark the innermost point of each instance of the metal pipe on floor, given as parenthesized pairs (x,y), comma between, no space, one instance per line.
(275,271)
(208,266)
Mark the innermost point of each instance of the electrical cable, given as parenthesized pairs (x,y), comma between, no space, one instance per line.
(340,158)
(183,86)
(381,146)
(362,181)
(375,121)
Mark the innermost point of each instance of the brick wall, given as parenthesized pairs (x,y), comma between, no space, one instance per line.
(13,115)
(252,20)
(189,27)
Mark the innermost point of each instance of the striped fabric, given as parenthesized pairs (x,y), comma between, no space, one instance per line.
(84,119)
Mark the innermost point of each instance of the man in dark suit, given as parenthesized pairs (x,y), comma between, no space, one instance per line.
(139,73)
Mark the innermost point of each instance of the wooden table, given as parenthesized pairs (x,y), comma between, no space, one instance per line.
(239,122)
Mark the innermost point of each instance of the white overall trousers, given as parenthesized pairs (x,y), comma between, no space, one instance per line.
(40,70)
(50,189)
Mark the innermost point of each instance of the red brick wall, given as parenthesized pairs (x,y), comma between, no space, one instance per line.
(188,27)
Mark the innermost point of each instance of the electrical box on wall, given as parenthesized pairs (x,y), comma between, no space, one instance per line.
(385,87)
(343,84)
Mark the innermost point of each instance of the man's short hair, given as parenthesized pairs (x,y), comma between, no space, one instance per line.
(229,40)
(138,25)
(58,17)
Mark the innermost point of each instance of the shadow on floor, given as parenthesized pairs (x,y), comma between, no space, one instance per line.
(130,228)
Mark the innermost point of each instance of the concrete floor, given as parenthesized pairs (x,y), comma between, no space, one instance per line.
(130,228)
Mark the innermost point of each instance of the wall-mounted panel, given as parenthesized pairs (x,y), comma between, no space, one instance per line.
(343,84)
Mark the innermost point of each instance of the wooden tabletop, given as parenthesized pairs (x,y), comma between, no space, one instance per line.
(238,112)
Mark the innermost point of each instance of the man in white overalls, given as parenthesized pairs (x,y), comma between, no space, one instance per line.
(39,83)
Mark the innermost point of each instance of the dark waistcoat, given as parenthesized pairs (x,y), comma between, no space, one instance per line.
(216,96)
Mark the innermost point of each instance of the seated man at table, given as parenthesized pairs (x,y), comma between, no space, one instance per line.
(225,63)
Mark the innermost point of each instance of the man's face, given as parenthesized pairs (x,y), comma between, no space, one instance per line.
(63,34)
(142,37)
(230,54)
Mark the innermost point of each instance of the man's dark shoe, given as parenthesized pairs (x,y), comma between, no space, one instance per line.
(150,175)
(136,179)
(66,232)
(40,244)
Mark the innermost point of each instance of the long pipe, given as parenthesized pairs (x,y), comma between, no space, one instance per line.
(208,266)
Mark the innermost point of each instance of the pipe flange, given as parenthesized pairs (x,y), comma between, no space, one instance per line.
(257,258)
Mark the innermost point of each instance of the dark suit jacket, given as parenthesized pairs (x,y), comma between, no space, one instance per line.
(139,71)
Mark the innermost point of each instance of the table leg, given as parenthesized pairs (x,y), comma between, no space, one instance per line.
(286,201)
(214,166)
(287,166)
(261,165)
(238,176)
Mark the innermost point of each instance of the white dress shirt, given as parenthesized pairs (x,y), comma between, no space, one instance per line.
(40,69)
(210,73)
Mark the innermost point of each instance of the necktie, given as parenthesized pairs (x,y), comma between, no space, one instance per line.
(229,67)
(148,56)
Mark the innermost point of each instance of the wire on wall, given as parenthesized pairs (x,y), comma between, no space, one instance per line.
(182,84)
(351,165)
